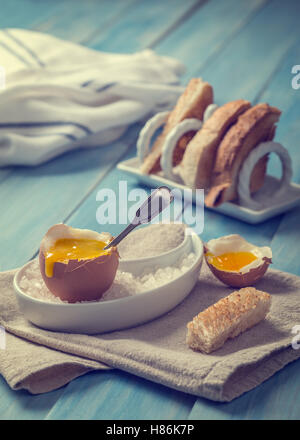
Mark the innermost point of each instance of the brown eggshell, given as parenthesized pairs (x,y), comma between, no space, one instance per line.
(238,279)
(81,280)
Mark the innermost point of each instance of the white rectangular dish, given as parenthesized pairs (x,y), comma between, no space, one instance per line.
(291,199)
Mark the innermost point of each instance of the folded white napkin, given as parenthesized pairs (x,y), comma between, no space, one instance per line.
(57,95)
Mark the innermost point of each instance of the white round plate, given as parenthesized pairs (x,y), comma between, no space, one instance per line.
(106,316)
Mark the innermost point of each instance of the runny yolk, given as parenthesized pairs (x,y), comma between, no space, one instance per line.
(231,260)
(66,249)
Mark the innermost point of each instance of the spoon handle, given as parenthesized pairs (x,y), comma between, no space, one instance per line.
(150,208)
(122,235)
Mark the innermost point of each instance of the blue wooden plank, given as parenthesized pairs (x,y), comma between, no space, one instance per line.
(142,23)
(281,233)
(110,395)
(78,164)
(250,59)
(228,85)
(264,232)
(20,405)
(72,176)
(87,19)
(208,31)
(28,13)
(280,92)
(19,193)
(49,183)
(33,199)
(284,243)
(216,225)
(285,227)
(87,214)
(238,51)
(4,173)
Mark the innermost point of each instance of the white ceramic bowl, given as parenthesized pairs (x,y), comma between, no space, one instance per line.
(169,258)
(106,316)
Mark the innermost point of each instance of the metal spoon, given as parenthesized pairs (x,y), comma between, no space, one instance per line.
(154,205)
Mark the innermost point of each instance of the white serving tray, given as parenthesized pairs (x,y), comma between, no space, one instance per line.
(290,200)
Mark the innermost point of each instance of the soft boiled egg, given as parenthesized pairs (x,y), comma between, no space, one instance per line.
(74,265)
(236,262)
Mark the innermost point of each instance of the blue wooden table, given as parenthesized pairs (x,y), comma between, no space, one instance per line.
(245,49)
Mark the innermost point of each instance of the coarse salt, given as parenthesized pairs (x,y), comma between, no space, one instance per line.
(124,285)
(151,241)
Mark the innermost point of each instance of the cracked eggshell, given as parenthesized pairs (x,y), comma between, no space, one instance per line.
(247,275)
(85,280)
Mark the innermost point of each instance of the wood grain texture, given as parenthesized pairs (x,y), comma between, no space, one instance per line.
(86,216)
(203,36)
(77,171)
(230,86)
(142,23)
(285,241)
(232,44)
(251,58)
(281,233)
(46,191)
(20,405)
(260,234)
(111,395)
(34,199)
(84,20)
(29,13)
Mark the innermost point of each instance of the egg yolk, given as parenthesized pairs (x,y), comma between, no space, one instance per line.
(231,260)
(66,249)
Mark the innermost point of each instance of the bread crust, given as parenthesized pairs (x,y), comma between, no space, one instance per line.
(191,104)
(227,318)
(254,126)
(198,160)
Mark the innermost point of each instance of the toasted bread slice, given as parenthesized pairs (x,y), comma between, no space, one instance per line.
(254,126)
(198,160)
(226,319)
(191,104)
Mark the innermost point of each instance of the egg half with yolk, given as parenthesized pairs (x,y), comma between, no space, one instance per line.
(236,262)
(74,265)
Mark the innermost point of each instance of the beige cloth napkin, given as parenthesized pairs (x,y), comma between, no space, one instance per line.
(40,360)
